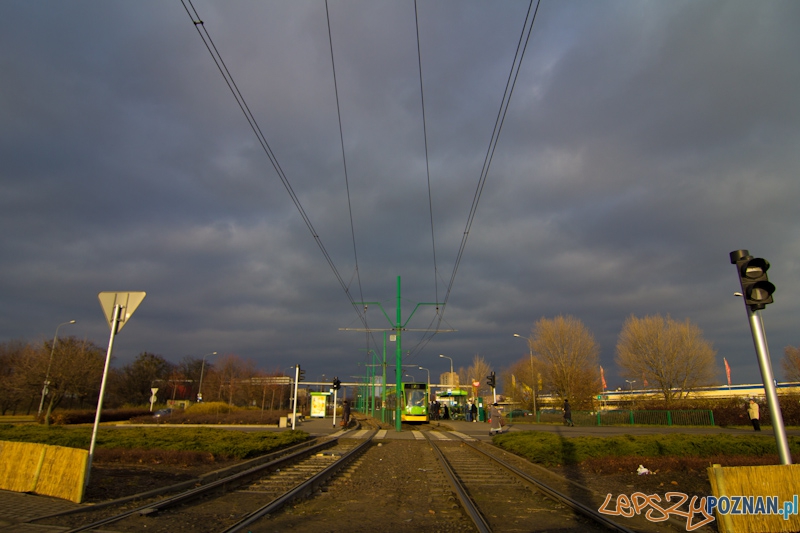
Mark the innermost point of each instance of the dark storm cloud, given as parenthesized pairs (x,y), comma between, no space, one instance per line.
(624,173)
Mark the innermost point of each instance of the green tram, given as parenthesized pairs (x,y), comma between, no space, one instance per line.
(415,403)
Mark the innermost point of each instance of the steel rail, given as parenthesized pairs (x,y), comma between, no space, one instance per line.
(573,504)
(203,489)
(300,489)
(201,479)
(458,487)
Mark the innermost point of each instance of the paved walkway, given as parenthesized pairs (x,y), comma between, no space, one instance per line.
(16,508)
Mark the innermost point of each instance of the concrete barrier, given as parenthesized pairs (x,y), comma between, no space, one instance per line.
(749,499)
(43,469)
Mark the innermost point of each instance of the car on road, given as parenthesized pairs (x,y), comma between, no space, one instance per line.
(520,413)
(162,413)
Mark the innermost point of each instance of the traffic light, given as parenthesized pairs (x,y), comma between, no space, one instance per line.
(337,384)
(756,287)
(491,379)
(301,374)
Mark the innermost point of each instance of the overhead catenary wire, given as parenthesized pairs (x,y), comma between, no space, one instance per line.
(505,102)
(251,120)
(427,159)
(344,164)
(498,126)
(516,65)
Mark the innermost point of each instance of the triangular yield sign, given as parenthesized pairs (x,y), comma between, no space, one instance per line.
(128,300)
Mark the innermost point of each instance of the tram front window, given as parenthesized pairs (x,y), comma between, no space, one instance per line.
(416,401)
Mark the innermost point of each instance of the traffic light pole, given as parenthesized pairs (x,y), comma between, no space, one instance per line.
(294,407)
(762,350)
(756,294)
(334,406)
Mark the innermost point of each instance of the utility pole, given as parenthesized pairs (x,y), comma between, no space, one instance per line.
(398,326)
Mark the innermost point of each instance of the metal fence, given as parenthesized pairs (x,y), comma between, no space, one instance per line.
(629,417)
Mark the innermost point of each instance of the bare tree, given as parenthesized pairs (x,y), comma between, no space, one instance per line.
(148,370)
(524,379)
(569,357)
(477,371)
(234,375)
(76,371)
(791,363)
(671,355)
(20,375)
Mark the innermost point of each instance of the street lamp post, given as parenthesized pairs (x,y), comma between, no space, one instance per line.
(450,381)
(533,374)
(202,371)
(630,384)
(47,375)
(429,378)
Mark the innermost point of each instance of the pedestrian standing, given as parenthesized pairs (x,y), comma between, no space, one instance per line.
(495,419)
(474,411)
(752,412)
(567,413)
(468,411)
(345,413)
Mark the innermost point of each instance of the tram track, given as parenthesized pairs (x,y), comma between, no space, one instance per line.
(231,503)
(497,496)
(434,479)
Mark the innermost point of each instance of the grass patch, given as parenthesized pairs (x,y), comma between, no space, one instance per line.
(221,443)
(549,449)
(214,413)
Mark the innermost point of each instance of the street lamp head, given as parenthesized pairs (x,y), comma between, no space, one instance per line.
(517,335)
(441,355)
(71,321)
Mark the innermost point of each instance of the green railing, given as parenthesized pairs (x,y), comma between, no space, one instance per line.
(628,417)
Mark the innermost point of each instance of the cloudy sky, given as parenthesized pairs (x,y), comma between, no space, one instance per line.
(643,142)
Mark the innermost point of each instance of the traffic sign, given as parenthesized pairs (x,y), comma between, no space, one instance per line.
(129,301)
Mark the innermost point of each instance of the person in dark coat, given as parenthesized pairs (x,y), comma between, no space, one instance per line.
(346,413)
(474,410)
(567,413)
(496,420)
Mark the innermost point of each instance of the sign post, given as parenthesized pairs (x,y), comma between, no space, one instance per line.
(154,390)
(118,308)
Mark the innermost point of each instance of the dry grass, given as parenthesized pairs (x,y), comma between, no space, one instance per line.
(124,456)
(613,465)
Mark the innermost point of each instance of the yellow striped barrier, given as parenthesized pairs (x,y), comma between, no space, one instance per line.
(43,469)
(750,499)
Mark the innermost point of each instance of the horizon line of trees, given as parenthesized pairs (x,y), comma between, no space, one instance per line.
(563,360)
(76,370)
(659,352)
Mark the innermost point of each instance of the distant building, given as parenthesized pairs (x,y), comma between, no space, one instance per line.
(449,379)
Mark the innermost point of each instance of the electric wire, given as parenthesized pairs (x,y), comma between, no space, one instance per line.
(505,102)
(498,126)
(427,159)
(240,100)
(344,164)
(513,75)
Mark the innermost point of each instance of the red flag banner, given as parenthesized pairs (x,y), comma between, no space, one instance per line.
(603,378)
(727,371)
